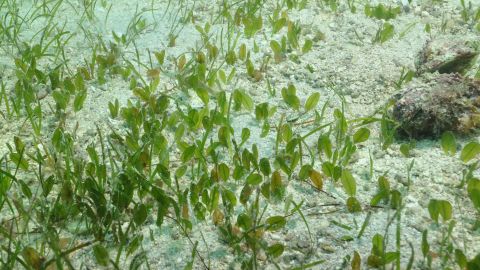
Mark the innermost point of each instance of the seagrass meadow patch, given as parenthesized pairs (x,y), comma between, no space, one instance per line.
(251,134)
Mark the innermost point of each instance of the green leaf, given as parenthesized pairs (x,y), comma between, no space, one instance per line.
(19,161)
(412,257)
(286,132)
(381,12)
(162,104)
(224,135)
(289,95)
(348,182)
(134,244)
(19,144)
(261,111)
(353,205)
(312,101)
(307,46)
(361,135)
(230,57)
(252,25)
(328,169)
(202,93)
(79,100)
(474,264)
(304,171)
(254,179)
(245,134)
(425,245)
(61,98)
(275,250)
(244,221)
(275,223)
(265,166)
(101,255)
(428,28)
(278,25)
(396,200)
(238,172)
(438,208)
(473,189)
(229,196)
(390,257)
(470,151)
(276,186)
(383,191)
(113,108)
(179,132)
(291,145)
(223,171)
(245,194)
(265,190)
(405,149)
(160,56)
(325,145)
(163,205)
(250,68)
(276,48)
(385,33)
(140,214)
(181,171)
(214,198)
(448,143)
(377,244)
(460,258)
(242,99)
(265,129)
(283,165)
(200,209)
(378,197)
(69,85)
(188,153)
(242,52)
(383,184)
(337,173)
(47,186)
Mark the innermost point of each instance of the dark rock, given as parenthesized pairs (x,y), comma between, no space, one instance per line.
(438,103)
(446,55)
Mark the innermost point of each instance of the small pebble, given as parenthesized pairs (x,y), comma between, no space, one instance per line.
(303,244)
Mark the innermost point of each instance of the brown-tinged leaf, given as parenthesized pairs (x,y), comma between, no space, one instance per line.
(356,261)
(317,179)
(217,217)
(32,258)
(181,62)
(276,180)
(185,213)
(63,242)
(153,73)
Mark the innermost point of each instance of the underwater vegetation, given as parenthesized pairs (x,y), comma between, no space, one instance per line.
(197,134)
